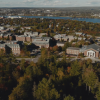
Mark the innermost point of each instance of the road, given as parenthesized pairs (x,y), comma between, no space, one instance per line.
(35,60)
(85,58)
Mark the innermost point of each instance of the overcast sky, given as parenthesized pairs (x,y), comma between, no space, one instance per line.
(48,3)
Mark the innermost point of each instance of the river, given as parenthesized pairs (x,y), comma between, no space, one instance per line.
(79,19)
(48,17)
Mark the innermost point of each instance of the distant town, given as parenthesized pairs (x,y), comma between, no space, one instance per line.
(78,12)
(23,39)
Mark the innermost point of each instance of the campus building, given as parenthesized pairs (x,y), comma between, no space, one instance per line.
(92,50)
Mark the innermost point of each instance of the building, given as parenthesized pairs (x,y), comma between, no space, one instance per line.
(28,38)
(28,28)
(35,34)
(8,48)
(60,44)
(1,28)
(92,50)
(31,33)
(60,37)
(42,42)
(81,38)
(79,33)
(73,50)
(42,34)
(71,37)
(15,48)
(20,38)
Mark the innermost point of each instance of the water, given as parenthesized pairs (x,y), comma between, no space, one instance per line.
(95,20)
(78,19)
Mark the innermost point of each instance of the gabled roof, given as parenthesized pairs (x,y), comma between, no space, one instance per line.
(93,46)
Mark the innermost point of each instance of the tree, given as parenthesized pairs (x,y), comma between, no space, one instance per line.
(23,89)
(75,69)
(69,98)
(46,91)
(60,73)
(90,79)
(22,65)
(98,93)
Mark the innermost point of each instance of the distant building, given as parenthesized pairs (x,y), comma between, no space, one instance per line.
(61,44)
(20,38)
(50,26)
(1,28)
(79,33)
(31,33)
(27,28)
(60,37)
(42,42)
(70,38)
(42,34)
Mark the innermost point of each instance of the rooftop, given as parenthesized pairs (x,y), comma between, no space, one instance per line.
(75,48)
(93,46)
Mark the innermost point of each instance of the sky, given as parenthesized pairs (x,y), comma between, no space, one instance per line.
(49,3)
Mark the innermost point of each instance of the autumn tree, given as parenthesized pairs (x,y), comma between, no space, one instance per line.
(46,91)
(69,98)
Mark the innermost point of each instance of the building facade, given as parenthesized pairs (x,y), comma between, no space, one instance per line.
(73,51)
(8,48)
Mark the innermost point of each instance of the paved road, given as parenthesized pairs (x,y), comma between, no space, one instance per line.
(30,59)
(85,58)
(71,59)
(93,59)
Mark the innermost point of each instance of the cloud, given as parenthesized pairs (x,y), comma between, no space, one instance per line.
(57,1)
(28,1)
(93,2)
(49,3)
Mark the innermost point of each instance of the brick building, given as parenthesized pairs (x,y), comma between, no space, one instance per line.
(8,48)
(23,38)
(28,38)
(20,38)
(73,50)
(15,48)
(42,42)
(92,50)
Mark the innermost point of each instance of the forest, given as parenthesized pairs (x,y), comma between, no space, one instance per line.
(49,78)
